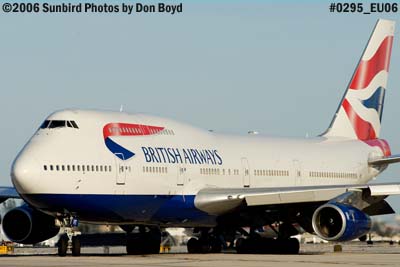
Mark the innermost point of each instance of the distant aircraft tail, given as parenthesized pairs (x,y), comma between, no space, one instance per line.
(360,112)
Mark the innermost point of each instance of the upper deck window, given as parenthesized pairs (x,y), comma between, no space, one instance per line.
(51,124)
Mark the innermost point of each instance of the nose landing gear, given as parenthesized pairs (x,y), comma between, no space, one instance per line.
(70,238)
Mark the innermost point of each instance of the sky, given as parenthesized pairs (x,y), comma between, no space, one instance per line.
(277,67)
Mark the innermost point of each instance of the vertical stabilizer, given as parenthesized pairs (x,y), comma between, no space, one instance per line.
(360,112)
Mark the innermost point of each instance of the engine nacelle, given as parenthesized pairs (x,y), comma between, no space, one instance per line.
(28,226)
(339,222)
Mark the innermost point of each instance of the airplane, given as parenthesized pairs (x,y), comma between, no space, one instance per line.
(145,173)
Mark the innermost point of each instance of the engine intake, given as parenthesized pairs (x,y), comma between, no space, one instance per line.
(339,222)
(28,226)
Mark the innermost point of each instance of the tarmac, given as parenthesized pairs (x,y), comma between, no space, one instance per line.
(358,254)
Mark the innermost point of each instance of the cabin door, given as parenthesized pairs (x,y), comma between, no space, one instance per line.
(297,172)
(245,172)
(181,175)
(120,169)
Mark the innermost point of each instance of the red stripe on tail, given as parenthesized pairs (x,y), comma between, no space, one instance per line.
(367,70)
(363,129)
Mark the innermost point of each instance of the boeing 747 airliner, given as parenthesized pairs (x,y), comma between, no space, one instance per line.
(146,172)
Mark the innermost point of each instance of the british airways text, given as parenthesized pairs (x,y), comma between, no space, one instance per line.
(185,155)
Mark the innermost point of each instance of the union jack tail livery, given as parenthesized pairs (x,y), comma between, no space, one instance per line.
(360,112)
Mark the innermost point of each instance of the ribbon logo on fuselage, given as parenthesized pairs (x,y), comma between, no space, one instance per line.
(111,130)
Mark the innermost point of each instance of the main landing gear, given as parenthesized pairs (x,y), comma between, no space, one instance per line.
(252,243)
(282,244)
(209,241)
(70,239)
(261,245)
(147,241)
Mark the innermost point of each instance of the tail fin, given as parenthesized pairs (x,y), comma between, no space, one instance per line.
(360,112)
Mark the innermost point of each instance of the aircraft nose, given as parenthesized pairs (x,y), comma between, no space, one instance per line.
(22,175)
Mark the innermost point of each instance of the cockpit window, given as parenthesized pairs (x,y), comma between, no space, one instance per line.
(58,124)
(74,124)
(44,124)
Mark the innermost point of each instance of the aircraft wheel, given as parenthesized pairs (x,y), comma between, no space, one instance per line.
(193,245)
(133,245)
(76,246)
(242,245)
(143,243)
(62,246)
(152,240)
(205,246)
(268,246)
(216,246)
(363,238)
(293,246)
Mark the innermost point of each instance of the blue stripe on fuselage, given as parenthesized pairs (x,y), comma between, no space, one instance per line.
(159,209)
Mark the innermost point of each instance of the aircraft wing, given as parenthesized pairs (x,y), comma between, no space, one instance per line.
(218,201)
(7,192)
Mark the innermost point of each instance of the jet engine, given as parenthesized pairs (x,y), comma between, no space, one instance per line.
(339,222)
(28,226)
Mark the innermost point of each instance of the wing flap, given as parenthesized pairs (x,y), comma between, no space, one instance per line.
(385,189)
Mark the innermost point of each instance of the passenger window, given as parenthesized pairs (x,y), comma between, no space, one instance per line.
(57,168)
(78,167)
(109,168)
(97,168)
(51,167)
(92,168)
(73,168)
(63,168)
(87,168)
(101,168)
(45,167)
(105,168)
(68,168)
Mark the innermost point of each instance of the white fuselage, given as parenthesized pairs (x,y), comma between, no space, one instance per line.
(178,160)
